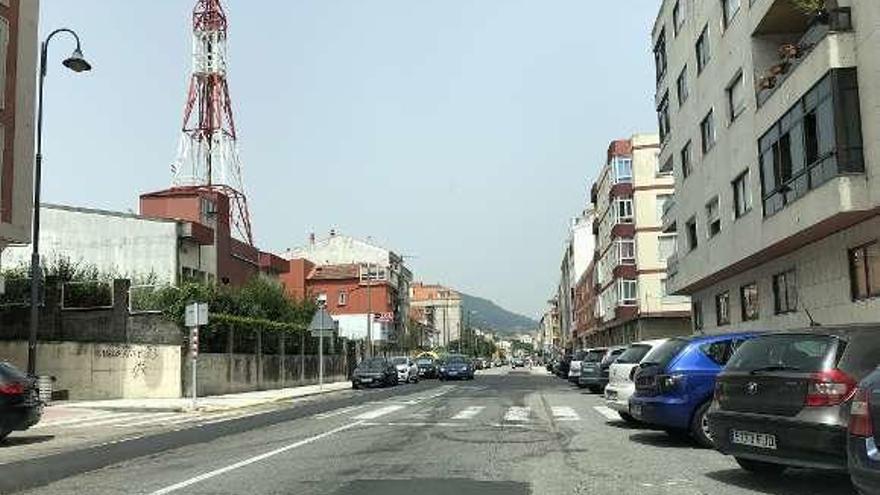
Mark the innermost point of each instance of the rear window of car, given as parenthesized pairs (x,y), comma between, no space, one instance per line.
(663,354)
(8,371)
(579,356)
(795,352)
(634,354)
(425,361)
(399,360)
(374,363)
(594,356)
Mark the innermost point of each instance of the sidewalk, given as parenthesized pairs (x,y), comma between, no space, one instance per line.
(211,403)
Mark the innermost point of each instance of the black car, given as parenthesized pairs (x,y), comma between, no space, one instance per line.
(564,366)
(20,405)
(427,367)
(784,398)
(456,366)
(864,457)
(376,371)
(594,369)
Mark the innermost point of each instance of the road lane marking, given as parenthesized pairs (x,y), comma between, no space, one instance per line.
(412,423)
(469,412)
(382,411)
(246,462)
(339,412)
(517,413)
(609,413)
(565,413)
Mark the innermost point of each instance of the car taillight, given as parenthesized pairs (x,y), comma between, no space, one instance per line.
(829,388)
(669,383)
(13,388)
(860,423)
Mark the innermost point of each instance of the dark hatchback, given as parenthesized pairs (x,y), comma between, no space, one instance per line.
(376,371)
(427,367)
(783,399)
(20,405)
(594,369)
(864,437)
(456,366)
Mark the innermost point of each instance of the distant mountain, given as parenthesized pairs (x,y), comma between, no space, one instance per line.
(493,317)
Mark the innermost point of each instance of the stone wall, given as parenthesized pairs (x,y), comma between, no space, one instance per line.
(223,373)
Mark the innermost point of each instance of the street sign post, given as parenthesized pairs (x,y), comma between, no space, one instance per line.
(195,315)
(322,325)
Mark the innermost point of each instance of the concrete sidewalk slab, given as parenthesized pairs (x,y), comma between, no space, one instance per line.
(211,403)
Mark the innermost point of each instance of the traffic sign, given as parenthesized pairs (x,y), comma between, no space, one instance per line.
(196,314)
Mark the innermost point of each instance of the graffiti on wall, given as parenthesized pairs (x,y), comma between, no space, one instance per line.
(141,354)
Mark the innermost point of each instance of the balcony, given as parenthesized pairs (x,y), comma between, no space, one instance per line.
(667,218)
(785,39)
(621,190)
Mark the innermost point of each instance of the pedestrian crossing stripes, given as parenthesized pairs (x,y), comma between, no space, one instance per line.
(610,414)
(565,413)
(517,414)
(117,420)
(469,412)
(376,413)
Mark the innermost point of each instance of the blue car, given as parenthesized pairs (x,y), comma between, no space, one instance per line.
(675,383)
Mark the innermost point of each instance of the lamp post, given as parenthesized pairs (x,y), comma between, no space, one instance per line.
(76,63)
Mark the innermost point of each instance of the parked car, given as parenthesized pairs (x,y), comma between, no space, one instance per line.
(20,405)
(620,376)
(427,367)
(456,366)
(374,371)
(784,398)
(518,362)
(863,455)
(594,374)
(674,388)
(563,365)
(574,365)
(407,370)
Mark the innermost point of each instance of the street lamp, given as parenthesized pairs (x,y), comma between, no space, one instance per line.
(76,63)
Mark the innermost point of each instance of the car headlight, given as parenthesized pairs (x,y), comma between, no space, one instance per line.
(443,369)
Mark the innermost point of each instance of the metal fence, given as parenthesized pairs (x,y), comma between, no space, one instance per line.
(87,295)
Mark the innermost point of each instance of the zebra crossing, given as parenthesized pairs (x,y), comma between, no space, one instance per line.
(402,414)
(139,420)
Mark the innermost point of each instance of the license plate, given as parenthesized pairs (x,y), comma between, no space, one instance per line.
(636,410)
(453,372)
(752,439)
(366,380)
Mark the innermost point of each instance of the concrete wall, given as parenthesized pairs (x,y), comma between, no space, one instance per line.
(232,373)
(104,370)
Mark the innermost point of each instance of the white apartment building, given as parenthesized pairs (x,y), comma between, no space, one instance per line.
(440,309)
(579,249)
(18,29)
(770,120)
(629,197)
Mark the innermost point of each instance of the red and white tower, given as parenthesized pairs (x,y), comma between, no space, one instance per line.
(207,157)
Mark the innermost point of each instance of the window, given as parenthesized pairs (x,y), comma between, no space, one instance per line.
(663,117)
(622,169)
(864,268)
(703,50)
(665,246)
(718,352)
(666,168)
(677,18)
(664,291)
(626,292)
(624,210)
(729,9)
(707,131)
(697,314)
(686,166)
(343,298)
(626,251)
(722,309)
(662,201)
(713,217)
(817,139)
(742,196)
(785,292)
(681,86)
(748,296)
(660,55)
(736,97)
(691,231)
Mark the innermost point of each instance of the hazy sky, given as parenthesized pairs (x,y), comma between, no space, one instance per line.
(461,132)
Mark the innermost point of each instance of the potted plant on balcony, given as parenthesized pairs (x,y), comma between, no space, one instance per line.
(766,82)
(790,51)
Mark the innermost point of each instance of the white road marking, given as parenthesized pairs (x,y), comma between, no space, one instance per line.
(565,413)
(71,421)
(339,412)
(610,414)
(246,462)
(382,411)
(517,413)
(469,412)
(412,423)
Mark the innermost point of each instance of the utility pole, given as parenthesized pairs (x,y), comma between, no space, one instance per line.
(369,311)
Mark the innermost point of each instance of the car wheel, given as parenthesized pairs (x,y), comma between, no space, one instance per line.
(760,467)
(628,417)
(355,386)
(700,427)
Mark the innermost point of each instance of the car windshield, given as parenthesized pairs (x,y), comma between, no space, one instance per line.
(595,356)
(785,352)
(10,372)
(579,356)
(399,360)
(373,364)
(663,354)
(633,354)
(456,360)
(424,361)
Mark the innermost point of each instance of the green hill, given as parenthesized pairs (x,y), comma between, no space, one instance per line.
(490,316)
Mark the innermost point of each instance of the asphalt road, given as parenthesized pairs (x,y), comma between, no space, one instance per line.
(505,432)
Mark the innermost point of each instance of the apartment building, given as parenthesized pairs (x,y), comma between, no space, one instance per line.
(18,59)
(769,118)
(630,257)
(576,259)
(440,309)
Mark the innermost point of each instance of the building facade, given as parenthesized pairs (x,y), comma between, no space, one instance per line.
(376,265)
(585,299)
(18,59)
(769,119)
(632,302)
(439,308)
(576,259)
